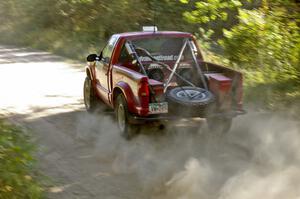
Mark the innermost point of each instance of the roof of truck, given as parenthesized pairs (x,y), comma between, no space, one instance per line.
(158,33)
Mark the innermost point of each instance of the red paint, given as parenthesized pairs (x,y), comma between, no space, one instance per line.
(134,86)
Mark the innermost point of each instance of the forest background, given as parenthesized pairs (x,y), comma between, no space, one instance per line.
(261,38)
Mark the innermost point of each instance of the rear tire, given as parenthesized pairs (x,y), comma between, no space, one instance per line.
(89,97)
(190,96)
(127,130)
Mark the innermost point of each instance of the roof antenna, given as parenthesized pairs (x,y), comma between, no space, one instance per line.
(152,28)
(154,15)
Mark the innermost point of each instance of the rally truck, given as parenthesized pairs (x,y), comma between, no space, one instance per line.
(159,76)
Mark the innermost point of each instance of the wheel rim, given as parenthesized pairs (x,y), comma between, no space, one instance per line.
(121,117)
(190,94)
(87,93)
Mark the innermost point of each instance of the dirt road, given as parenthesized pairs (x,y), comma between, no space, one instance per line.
(86,158)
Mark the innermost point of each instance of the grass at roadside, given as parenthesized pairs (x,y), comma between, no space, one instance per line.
(272,95)
(276,97)
(18,178)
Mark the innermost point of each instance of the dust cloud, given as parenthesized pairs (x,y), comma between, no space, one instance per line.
(259,158)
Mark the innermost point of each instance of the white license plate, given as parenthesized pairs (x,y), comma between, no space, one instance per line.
(158,107)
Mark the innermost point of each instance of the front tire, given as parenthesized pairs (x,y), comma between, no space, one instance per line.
(89,97)
(127,130)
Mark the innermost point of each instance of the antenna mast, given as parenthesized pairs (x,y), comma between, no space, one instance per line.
(154,15)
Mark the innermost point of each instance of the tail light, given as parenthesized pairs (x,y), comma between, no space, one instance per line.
(143,92)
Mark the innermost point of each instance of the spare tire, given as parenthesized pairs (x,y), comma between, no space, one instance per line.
(187,100)
(190,96)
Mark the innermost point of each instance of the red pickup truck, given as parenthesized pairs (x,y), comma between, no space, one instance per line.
(154,76)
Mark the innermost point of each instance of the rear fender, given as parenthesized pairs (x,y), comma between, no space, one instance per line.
(124,88)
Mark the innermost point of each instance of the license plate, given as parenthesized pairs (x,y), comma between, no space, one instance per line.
(155,108)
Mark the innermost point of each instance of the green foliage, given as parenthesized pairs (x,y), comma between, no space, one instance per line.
(75,27)
(17,178)
(267,45)
(210,10)
(263,42)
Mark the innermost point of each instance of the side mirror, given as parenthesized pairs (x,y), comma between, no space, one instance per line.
(92,58)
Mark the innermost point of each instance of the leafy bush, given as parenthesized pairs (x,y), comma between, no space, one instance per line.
(76,27)
(266,45)
(17,177)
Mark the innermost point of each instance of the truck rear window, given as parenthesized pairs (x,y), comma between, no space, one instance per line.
(162,48)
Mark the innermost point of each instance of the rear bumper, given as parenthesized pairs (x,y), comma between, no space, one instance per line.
(165,117)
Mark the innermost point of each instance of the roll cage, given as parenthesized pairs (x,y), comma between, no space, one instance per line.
(188,43)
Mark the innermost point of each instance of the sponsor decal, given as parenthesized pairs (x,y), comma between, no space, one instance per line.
(161,58)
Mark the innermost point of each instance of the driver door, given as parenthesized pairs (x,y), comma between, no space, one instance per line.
(101,76)
(102,69)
